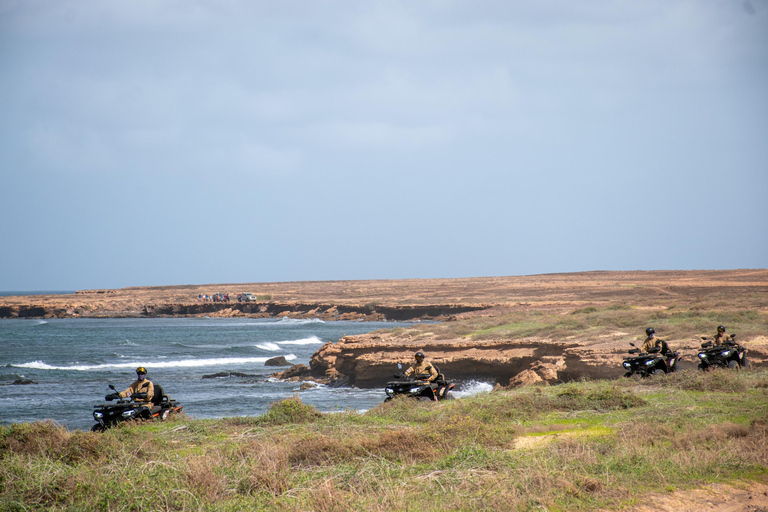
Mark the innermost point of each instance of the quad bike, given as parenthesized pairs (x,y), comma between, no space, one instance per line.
(109,415)
(420,388)
(728,355)
(658,361)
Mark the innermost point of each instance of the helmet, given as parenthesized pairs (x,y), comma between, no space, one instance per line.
(649,331)
(720,328)
(418,355)
(141,369)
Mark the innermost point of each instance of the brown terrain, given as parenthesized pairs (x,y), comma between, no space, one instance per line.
(463,304)
(368,360)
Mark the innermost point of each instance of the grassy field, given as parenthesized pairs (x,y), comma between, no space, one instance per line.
(578,446)
(671,323)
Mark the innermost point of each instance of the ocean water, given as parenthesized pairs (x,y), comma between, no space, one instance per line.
(72,361)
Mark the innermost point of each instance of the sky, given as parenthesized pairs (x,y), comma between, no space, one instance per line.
(177,142)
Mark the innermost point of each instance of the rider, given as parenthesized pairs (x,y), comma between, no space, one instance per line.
(720,337)
(651,341)
(142,385)
(422,367)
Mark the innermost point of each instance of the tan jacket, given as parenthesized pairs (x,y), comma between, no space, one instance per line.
(720,338)
(423,367)
(140,386)
(649,343)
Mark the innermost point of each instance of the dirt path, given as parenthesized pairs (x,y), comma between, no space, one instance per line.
(739,497)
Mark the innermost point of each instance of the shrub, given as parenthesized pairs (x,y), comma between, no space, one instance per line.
(290,410)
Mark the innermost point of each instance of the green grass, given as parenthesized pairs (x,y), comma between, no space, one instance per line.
(674,323)
(577,446)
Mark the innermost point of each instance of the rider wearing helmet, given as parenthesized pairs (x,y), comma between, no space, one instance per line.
(142,385)
(720,337)
(422,367)
(651,341)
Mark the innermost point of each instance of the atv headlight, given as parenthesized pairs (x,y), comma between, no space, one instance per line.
(627,365)
(702,356)
(128,414)
(389,391)
(97,415)
(649,362)
(414,390)
(725,353)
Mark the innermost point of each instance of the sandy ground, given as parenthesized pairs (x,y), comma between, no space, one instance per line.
(746,497)
(658,289)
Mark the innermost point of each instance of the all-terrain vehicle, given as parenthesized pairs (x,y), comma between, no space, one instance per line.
(109,415)
(658,361)
(420,388)
(728,355)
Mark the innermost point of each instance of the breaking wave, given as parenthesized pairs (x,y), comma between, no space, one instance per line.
(312,340)
(186,363)
(271,347)
(473,387)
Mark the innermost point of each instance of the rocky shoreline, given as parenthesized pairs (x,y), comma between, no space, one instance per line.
(368,360)
(328,312)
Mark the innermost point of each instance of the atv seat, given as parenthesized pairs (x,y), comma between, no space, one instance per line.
(158,399)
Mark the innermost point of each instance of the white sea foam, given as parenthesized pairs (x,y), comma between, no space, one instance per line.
(300,321)
(271,347)
(186,363)
(312,340)
(473,387)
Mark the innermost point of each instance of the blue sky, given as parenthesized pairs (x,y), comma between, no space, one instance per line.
(189,142)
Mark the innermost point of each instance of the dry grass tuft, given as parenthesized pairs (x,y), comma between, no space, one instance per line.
(406,446)
(267,468)
(202,479)
(320,450)
(54,441)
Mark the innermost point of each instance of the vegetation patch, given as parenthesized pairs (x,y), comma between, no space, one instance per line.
(580,446)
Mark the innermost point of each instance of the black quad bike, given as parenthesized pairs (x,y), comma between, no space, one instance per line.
(109,415)
(728,355)
(658,361)
(420,388)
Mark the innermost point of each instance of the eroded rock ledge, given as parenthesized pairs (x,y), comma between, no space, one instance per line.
(250,309)
(369,360)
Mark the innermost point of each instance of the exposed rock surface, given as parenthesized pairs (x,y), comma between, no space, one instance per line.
(277,361)
(370,360)
(407,299)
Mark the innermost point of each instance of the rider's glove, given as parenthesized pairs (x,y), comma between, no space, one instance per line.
(112,396)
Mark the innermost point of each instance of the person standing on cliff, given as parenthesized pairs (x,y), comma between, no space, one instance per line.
(421,367)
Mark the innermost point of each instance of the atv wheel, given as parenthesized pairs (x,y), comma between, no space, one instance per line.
(388,399)
(702,367)
(733,363)
(659,371)
(449,396)
(745,362)
(98,428)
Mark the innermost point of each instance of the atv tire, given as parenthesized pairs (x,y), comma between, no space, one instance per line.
(659,371)
(733,363)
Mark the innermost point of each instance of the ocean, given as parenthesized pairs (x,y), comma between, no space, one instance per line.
(72,361)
